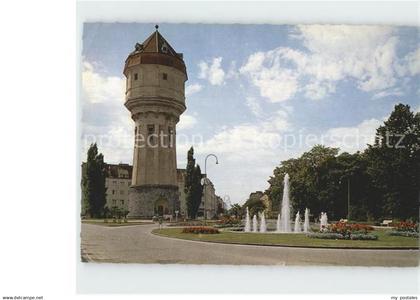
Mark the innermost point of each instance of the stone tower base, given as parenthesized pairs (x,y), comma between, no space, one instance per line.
(146,201)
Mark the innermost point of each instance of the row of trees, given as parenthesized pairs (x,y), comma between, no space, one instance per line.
(383,181)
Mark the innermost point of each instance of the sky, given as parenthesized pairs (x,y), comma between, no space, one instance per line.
(256,94)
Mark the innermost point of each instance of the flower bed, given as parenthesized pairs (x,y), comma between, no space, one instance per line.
(408,229)
(200,229)
(345,231)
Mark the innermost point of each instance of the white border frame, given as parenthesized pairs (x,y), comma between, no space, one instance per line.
(138,278)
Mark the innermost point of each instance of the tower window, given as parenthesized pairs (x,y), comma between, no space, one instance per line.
(165,76)
(150,134)
(136,76)
(150,129)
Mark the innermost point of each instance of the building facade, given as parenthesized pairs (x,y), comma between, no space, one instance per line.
(117,184)
(155,95)
(118,181)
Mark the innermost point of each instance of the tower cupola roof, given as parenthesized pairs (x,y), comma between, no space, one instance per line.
(156,50)
(156,43)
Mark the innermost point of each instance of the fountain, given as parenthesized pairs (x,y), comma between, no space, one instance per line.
(278,223)
(247,222)
(306,224)
(297,223)
(323,221)
(254,224)
(263,225)
(285,207)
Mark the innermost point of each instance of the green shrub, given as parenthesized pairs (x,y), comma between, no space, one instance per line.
(339,236)
(200,229)
(363,237)
(326,236)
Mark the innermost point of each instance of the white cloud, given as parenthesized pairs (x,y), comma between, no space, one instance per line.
(366,54)
(254,106)
(193,88)
(352,139)
(233,71)
(388,92)
(413,62)
(186,122)
(212,71)
(277,122)
(266,72)
(249,140)
(318,89)
(98,89)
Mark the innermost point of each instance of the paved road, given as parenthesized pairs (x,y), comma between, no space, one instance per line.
(136,244)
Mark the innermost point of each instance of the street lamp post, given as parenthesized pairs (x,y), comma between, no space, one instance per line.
(205,182)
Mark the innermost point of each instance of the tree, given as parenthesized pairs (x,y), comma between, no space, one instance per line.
(236,210)
(93,183)
(384,180)
(313,182)
(193,188)
(254,203)
(352,172)
(394,164)
(197,190)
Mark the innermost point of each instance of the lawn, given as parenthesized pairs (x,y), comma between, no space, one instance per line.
(298,240)
(101,222)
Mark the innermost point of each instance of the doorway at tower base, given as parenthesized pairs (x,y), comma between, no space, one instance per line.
(147,201)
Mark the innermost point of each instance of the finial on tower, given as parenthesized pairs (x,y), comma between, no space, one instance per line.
(157,27)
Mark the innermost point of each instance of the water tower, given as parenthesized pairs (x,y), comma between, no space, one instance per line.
(155,96)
